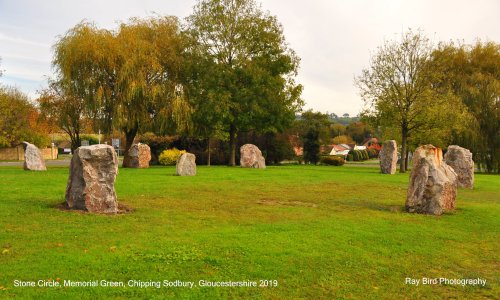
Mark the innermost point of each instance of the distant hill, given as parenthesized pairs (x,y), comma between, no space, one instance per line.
(344,120)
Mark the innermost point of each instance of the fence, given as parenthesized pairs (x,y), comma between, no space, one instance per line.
(17,153)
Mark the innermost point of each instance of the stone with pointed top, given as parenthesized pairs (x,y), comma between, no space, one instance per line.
(460,159)
(433,183)
(33,158)
(186,165)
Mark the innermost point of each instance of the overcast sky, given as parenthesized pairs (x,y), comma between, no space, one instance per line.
(334,38)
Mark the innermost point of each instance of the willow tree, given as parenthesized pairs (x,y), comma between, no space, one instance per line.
(247,70)
(397,90)
(85,62)
(126,78)
(148,78)
(472,73)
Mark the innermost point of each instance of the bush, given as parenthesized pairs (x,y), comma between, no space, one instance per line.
(92,138)
(356,155)
(157,144)
(169,157)
(311,146)
(350,157)
(361,155)
(364,154)
(333,160)
(372,153)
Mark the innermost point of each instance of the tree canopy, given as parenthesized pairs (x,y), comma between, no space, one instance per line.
(472,74)
(127,78)
(397,89)
(246,70)
(19,120)
(66,111)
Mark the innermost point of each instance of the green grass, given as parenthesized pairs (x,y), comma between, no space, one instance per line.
(321,232)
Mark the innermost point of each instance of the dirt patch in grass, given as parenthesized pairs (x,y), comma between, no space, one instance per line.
(122,209)
(272,202)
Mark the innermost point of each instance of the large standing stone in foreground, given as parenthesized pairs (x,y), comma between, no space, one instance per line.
(388,157)
(139,156)
(251,157)
(91,183)
(33,158)
(433,184)
(460,159)
(186,165)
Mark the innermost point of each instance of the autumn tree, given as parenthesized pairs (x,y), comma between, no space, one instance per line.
(248,70)
(66,111)
(343,139)
(19,119)
(126,78)
(396,88)
(148,82)
(359,131)
(337,129)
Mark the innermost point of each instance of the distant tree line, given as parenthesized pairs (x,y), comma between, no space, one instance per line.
(225,77)
(225,71)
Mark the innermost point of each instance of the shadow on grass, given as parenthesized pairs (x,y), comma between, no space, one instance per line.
(122,209)
(392,208)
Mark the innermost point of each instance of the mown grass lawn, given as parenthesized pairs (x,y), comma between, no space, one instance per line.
(321,232)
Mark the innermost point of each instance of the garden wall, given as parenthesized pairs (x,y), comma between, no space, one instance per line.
(17,153)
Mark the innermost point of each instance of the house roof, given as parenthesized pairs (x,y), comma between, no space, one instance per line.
(339,148)
(348,146)
(369,141)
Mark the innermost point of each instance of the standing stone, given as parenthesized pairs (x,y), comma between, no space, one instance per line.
(433,184)
(139,156)
(33,158)
(91,183)
(388,157)
(251,157)
(186,165)
(460,159)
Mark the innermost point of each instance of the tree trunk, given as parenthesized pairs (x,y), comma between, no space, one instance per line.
(407,158)
(402,164)
(208,151)
(232,145)
(75,141)
(129,141)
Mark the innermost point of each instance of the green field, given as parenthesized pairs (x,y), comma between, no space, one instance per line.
(320,232)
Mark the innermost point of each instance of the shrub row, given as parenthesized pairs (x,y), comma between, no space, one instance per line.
(358,155)
(332,160)
(372,153)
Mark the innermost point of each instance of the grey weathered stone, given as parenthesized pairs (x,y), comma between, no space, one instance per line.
(33,158)
(251,157)
(460,159)
(186,165)
(91,183)
(139,156)
(388,157)
(433,184)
